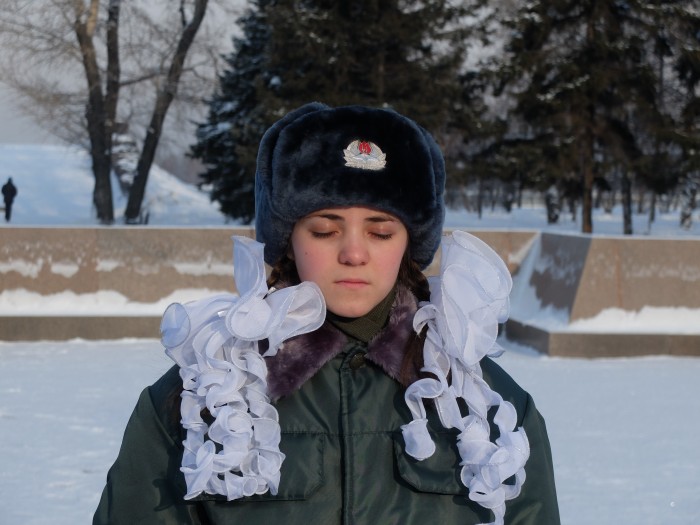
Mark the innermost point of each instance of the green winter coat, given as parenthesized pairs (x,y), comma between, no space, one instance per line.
(341,433)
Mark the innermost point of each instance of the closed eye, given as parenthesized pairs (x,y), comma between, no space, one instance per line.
(321,235)
(382,236)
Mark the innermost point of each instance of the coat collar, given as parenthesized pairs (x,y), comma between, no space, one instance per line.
(300,357)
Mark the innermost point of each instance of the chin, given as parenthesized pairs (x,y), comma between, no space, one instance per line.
(349,312)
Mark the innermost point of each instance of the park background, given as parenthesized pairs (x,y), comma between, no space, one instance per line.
(623,430)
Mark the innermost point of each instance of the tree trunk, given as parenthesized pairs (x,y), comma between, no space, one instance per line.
(588,177)
(571,201)
(626,204)
(100,142)
(165,96)
(552,204)
(113,67)
(609,201)
(652,210)
(688,200)
(641,198)
(587,151)
(480,196)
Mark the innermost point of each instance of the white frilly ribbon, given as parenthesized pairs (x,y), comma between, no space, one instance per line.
(215,343)
(467,302)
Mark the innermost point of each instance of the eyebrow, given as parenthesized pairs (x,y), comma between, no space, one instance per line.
(374,218)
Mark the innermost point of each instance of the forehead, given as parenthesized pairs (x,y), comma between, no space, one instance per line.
(353,212)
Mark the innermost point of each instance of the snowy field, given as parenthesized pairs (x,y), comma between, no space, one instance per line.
(624,432)
(55,186)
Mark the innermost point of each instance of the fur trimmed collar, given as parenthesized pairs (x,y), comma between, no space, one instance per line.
(300,357)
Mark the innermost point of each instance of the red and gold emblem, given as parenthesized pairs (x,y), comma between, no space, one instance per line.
(364,155)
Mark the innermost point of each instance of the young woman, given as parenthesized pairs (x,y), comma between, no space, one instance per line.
(345,388)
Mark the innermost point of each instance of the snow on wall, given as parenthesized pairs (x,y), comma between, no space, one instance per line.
(141,264)
(572,283)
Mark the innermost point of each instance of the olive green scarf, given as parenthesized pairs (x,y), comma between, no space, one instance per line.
(366,327)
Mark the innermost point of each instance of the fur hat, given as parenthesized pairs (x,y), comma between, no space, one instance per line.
(321,157)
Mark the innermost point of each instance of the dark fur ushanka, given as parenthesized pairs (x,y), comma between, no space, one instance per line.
(301,169)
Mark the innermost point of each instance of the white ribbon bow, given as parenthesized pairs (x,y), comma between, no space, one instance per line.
(215,343)
(467,302)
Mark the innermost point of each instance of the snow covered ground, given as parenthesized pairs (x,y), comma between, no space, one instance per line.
(55,187)
(624,432)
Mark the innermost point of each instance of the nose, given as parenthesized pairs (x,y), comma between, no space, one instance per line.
(353,250)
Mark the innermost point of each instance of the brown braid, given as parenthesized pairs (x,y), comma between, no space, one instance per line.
(285,271)
(411,276)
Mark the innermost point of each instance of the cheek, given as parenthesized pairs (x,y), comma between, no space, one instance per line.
(395,263)
(302,269)
(309,264)
(394,258)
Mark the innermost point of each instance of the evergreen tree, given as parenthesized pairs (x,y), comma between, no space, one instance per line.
(688,136)
(584,78)
(393,53)
(385,53)
(227,142)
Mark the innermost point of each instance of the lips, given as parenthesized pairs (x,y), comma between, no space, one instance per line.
(352,283)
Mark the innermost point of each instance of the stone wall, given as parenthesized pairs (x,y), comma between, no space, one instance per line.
(574,274)
(142,264)
(579,276)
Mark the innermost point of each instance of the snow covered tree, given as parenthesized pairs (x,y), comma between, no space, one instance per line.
(399,54)
(227,142)
(688,69)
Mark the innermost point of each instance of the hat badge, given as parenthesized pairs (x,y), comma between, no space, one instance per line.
(364,155)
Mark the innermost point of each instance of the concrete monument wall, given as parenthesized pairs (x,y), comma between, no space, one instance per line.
(142,264)
(578,276)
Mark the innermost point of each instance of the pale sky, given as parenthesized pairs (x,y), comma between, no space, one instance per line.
(15,128)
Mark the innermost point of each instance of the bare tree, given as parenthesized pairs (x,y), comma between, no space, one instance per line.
(163,100)
(100,107)
(81,66)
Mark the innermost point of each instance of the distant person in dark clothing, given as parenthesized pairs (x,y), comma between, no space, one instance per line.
(9,192)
